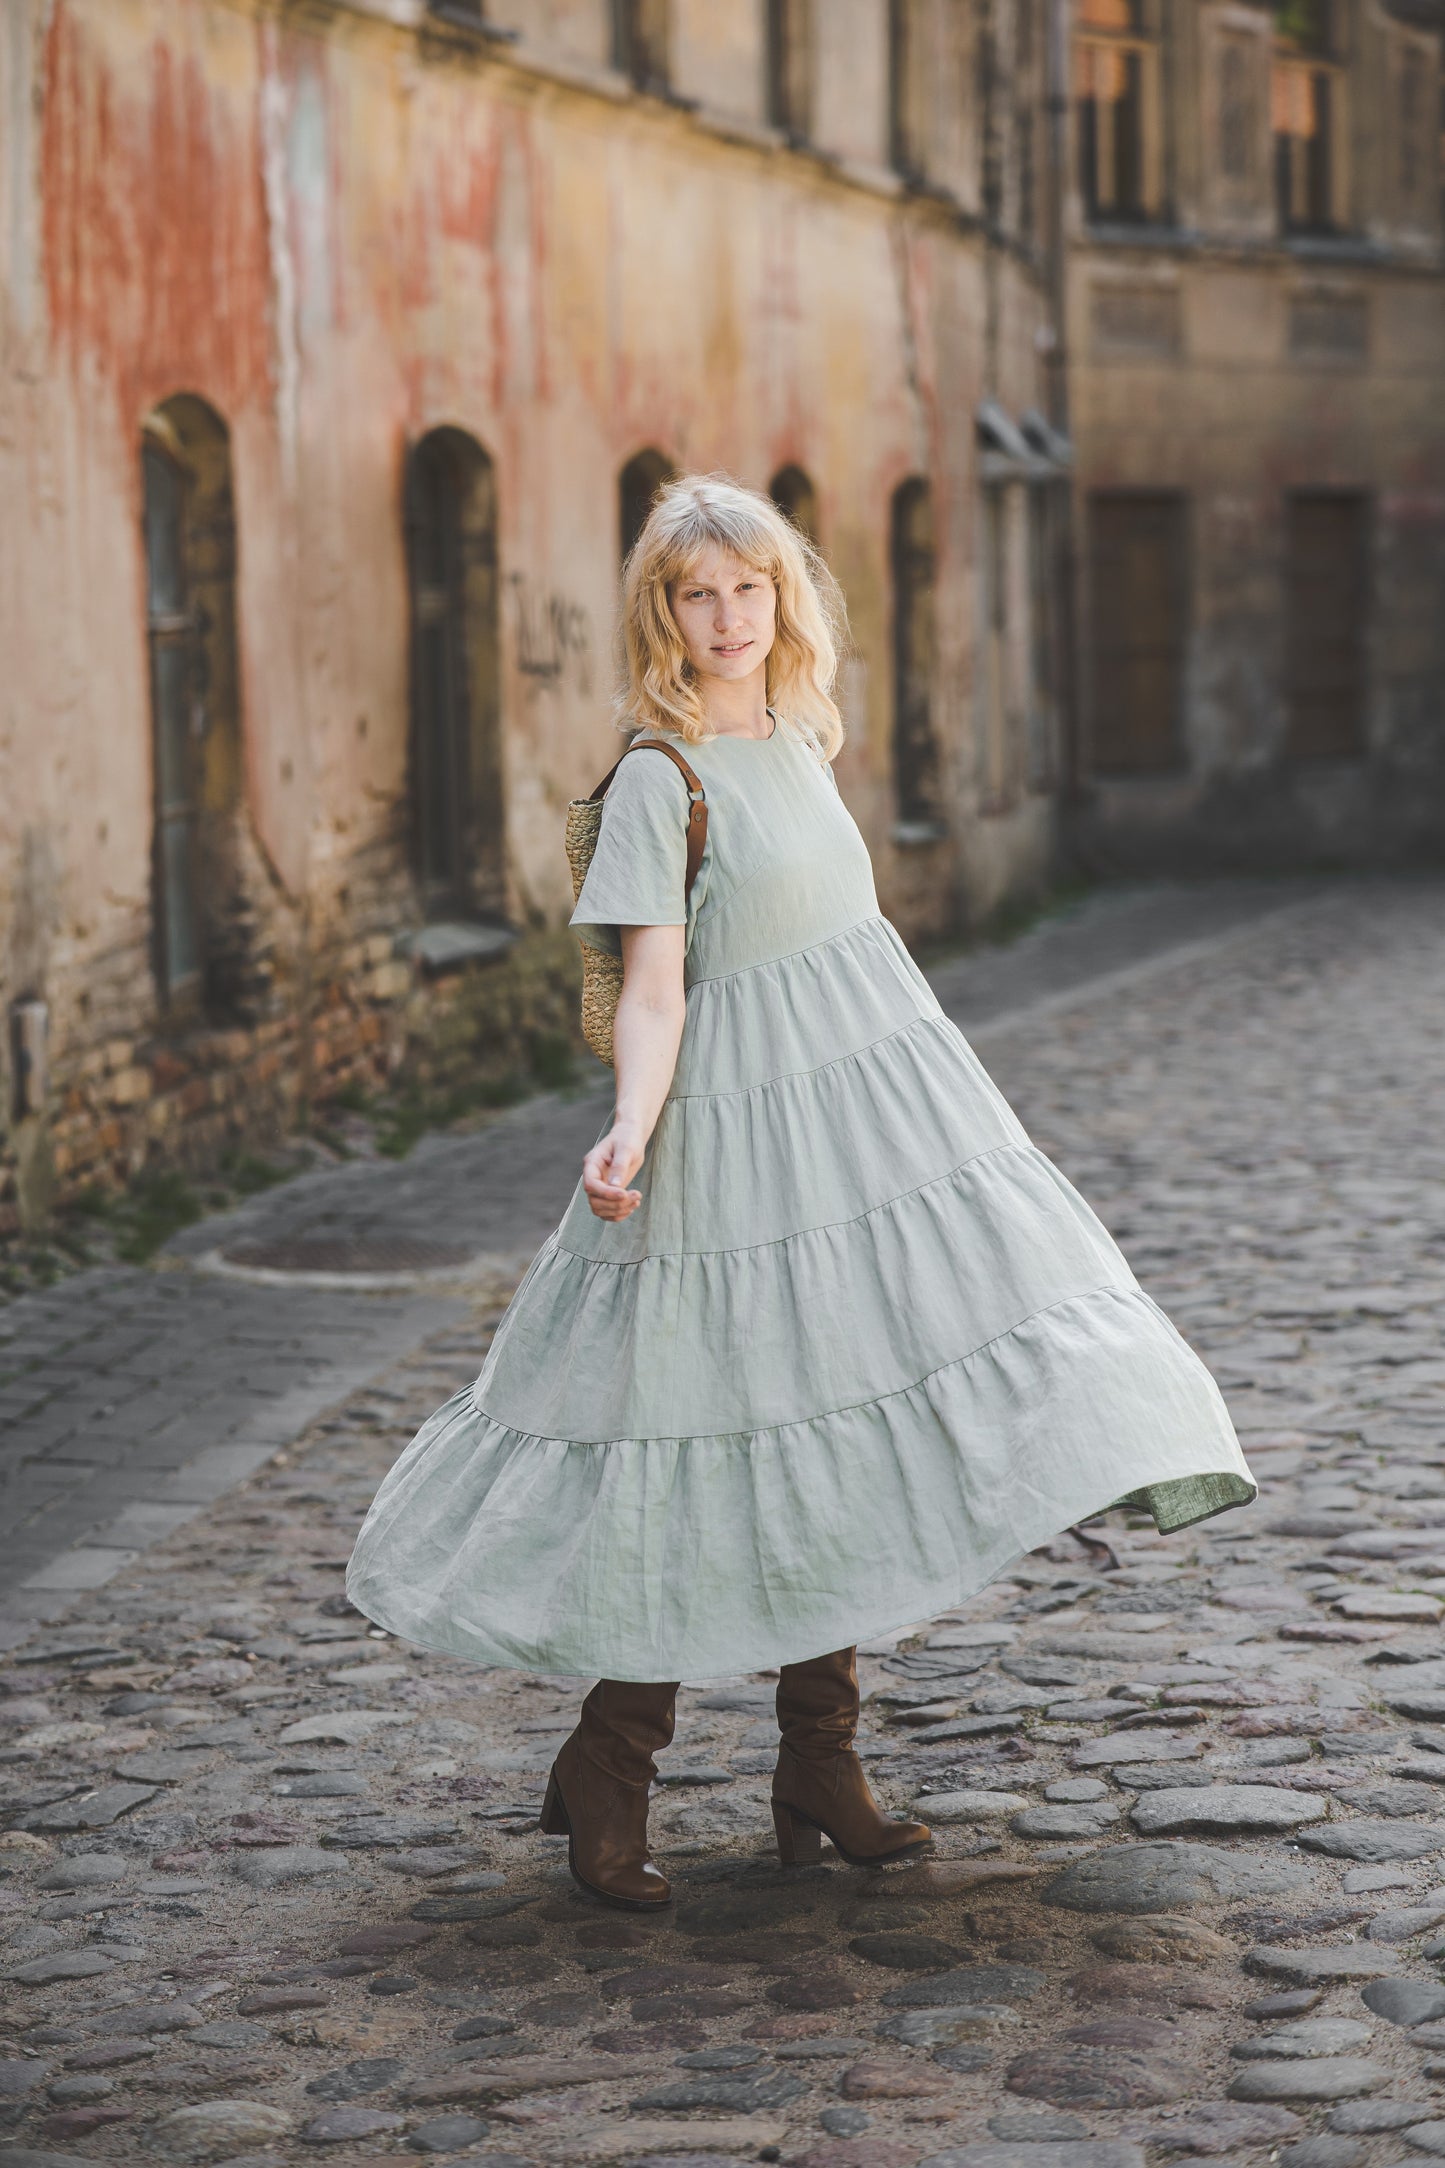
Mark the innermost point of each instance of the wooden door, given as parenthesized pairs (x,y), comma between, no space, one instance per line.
(1138,597)
(1326,559)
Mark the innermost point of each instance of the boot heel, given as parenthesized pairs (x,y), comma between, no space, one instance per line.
(800,1844)
(553,1820)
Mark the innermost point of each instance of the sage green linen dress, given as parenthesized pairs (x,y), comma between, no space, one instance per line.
(860,1346)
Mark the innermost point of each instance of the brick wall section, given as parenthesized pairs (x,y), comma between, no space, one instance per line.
(130,1103)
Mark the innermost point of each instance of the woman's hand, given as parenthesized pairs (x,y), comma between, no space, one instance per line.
(645,1038)
(609,1167)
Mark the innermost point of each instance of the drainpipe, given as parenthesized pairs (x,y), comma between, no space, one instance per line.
(1058,52)
(30,1135)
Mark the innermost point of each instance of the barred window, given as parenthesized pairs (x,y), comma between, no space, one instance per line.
(458,832)
(203,963)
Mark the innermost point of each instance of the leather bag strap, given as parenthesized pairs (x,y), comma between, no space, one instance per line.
(697,815)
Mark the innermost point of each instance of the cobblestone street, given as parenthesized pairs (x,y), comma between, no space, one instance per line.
(270,1884)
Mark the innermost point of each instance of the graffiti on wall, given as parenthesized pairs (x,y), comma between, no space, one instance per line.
(553,634)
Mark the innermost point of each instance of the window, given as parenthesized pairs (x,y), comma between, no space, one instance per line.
(1305,94)
(1412,110)
(1418,110)
(456,782)
(1027,101)
(993,740)
(199,927)
(790,66)
(793,493)
(1138,618)
(638,483)
(905,133)
(1239,111)
(1044,514)
(916,778)
(1026,163)
(171,624)
(640,42)
(1115,96)
(1326,590)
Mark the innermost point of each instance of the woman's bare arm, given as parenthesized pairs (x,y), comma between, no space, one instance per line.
(645,1039)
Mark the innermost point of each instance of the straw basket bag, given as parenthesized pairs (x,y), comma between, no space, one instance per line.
(602,972)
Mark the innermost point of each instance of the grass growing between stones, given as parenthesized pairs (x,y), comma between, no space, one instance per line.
(129,1226)
(1008,922)
(357,1123)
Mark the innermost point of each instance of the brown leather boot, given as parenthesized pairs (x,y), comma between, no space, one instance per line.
(819,1789)
(597,1791)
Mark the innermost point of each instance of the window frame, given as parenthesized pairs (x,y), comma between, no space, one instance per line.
(793,491)
(919,787)
(173,631)
(1095,48)
(639,479)
(642,44)
(788,53)
(1308,198)
(456,766)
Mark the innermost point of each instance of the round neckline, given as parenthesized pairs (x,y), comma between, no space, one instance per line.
(719,737)
(744,740)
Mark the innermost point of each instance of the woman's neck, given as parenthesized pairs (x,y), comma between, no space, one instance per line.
(737,709)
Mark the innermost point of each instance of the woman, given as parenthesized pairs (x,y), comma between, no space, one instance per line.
(822,1342)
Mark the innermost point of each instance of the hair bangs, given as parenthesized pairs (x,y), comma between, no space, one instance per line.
(659,689)
(734,528)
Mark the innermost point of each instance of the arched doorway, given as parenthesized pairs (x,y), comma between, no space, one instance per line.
(637,485)
(916,770)
(793,493)
(458,828)
(199,936)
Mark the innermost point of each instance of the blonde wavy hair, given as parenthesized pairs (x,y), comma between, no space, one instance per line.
(659,689)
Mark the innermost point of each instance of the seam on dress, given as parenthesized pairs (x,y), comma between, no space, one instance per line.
(787,1076)
(715,978)
(823,1415)
(799,1234)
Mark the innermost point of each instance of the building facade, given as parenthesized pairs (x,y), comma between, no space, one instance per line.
(1257,378)
(344,343)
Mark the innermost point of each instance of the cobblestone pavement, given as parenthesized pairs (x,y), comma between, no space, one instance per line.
(270,1885)
(128,1398)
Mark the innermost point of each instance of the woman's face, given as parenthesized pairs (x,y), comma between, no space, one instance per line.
(727,615)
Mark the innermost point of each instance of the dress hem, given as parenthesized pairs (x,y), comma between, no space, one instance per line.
(560,1663)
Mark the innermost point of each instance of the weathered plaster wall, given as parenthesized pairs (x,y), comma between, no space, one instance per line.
(342,231)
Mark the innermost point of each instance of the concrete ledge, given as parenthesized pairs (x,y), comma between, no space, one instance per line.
(85,1565)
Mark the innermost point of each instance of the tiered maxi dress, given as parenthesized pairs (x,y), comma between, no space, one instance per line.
(860,1346)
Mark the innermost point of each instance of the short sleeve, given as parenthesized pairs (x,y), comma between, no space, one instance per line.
(638,872)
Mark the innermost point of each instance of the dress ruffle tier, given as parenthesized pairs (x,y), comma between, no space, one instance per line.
(861,1346)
